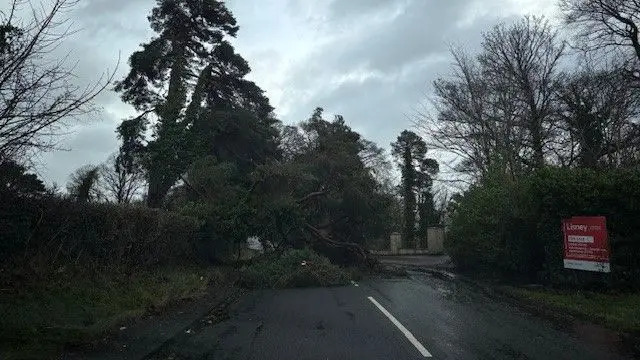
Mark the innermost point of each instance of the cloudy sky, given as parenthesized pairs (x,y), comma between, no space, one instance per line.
(372,61)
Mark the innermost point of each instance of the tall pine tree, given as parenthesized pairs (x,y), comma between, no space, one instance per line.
(417,170)
(188,84)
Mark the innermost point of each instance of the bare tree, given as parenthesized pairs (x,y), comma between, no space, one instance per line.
(473,120)
(603,24)
(498,111)
(37,94)
(118,183)
(522,58)
(460,124)
(599,109)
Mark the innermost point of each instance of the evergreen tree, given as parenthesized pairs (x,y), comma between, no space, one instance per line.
(410,150)
(188,83)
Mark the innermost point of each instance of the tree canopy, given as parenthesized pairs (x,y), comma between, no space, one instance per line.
(322,193)
(410,151)
(188,84)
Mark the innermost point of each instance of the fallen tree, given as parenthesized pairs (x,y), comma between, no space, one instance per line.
(323,196)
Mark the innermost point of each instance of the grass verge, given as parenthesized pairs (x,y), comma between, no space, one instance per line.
(620,312)
(39,320)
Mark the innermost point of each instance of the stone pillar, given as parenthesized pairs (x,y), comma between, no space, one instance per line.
(435,240)
(395,242)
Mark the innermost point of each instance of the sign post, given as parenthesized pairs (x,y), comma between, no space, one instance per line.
(586,244)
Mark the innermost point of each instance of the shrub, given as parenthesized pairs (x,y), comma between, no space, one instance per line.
(293,268)
(513,226)
(490,228)
(221,204)
(49,235)
(614,194)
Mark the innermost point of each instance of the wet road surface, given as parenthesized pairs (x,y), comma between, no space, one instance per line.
(416,318)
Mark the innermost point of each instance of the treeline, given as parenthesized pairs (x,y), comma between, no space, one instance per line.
(545,129)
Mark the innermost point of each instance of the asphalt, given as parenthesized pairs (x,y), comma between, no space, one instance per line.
(449,318)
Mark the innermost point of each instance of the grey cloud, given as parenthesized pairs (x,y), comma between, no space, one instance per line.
(421,28)
(97,139)
(401,58)
(103,32)
(90,143)
(109,22)
(111,7)
(340,9)
(378,107)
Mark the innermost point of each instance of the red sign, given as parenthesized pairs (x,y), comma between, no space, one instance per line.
(586,244)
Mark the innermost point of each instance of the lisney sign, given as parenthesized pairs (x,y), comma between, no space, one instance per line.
(586,244)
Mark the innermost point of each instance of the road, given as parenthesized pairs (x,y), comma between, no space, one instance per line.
(407,318)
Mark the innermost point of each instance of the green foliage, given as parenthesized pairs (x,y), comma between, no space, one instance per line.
(14,179)
(216,197)
(42,237)
(417,171)
(614,194)
(353,205)
(279,216)
(323,183)
(186,29)
(293,268)
(326,181)
(513,226)
(237,136)
(220,113)
(489,227)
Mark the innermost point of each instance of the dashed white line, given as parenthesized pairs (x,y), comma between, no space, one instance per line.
(404,330)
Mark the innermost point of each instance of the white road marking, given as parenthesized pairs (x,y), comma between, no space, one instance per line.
(404,330)
(354,283)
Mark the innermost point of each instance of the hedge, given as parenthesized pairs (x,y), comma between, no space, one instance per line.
(47,235)
(490,229)
(615,194)
(513,226)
